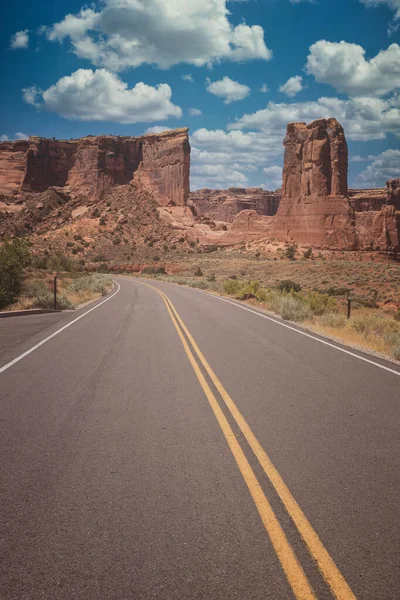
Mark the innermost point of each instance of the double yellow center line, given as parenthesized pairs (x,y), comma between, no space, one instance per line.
(293,570)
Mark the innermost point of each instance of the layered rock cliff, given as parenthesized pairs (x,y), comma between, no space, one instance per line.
(317,209)
(93,164)
(224,205)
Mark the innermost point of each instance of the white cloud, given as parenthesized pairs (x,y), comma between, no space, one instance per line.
(88,95)
(156,129)
(226,88)
(274,177)
(363,119)
(344,66)
(232,152)
(293,86)
(392,4)
(17,136)
(129,33)
(20,39)
(264,88)
(385,166)
(216,176)
(195,112)
(188,77)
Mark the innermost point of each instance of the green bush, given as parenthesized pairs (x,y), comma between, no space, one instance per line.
(374,325)
(46,300)
(198,272)
(90,283)
(291,308)
(290,252)
(320,303)
(14,257)
(232,287)
(154,270)
(307,253)
(287,286)
(60,262)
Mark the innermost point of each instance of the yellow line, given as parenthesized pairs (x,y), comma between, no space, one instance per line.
(333,577)
(292,568)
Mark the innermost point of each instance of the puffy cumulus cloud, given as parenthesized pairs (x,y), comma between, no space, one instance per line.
(20,39)
(195,112)
(222,153)
(17,136)
(273,177)
(384,166)
(293,86)
(363,119)
(215,176)
(129,33)
(88,95)
(230,90)
(345,67)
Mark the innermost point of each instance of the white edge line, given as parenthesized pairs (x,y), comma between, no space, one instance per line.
(313,337)
(13,362)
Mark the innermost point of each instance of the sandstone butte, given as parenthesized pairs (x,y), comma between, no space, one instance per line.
(314,207)
(90,165)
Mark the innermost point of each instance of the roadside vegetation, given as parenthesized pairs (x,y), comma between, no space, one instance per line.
(322,310)
(27,282)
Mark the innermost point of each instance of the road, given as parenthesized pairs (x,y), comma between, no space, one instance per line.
(164,443)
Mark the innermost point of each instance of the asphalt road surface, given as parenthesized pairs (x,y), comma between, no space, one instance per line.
(179,446)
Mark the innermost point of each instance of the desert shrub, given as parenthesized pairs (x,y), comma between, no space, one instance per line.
(287,286)
(198,272)
(337,291)
(397,315)
(39,262)
(46,300)
(211,277)
(232,286)
(290,252)
(102,221)
(90,283)
(249,291)
(34,287)
(320,303)
(374,325)
(396,352)
(156,258)
(201,285)
(154,271)
(291,308)
(14,257)
(307,253)
(333,320)
(60,262)
(99,258)
(117,240)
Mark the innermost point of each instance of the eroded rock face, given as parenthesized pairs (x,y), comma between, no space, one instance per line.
(393,192)
(314,209)
(378,230)
(368,199)
(91,165)
(224,205)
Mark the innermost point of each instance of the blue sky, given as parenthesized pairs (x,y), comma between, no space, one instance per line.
(235,72)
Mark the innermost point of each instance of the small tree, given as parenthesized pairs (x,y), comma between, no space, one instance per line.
(14,257)
(290,252)
(308,253)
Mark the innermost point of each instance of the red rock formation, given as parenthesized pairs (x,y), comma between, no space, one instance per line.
(12,165)
(224,205)
(368,199)
(378,230)
(90,165)
(393,192)
(314,209)
(165,167)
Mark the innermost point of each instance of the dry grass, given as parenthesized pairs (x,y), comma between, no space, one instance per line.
(73,290)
